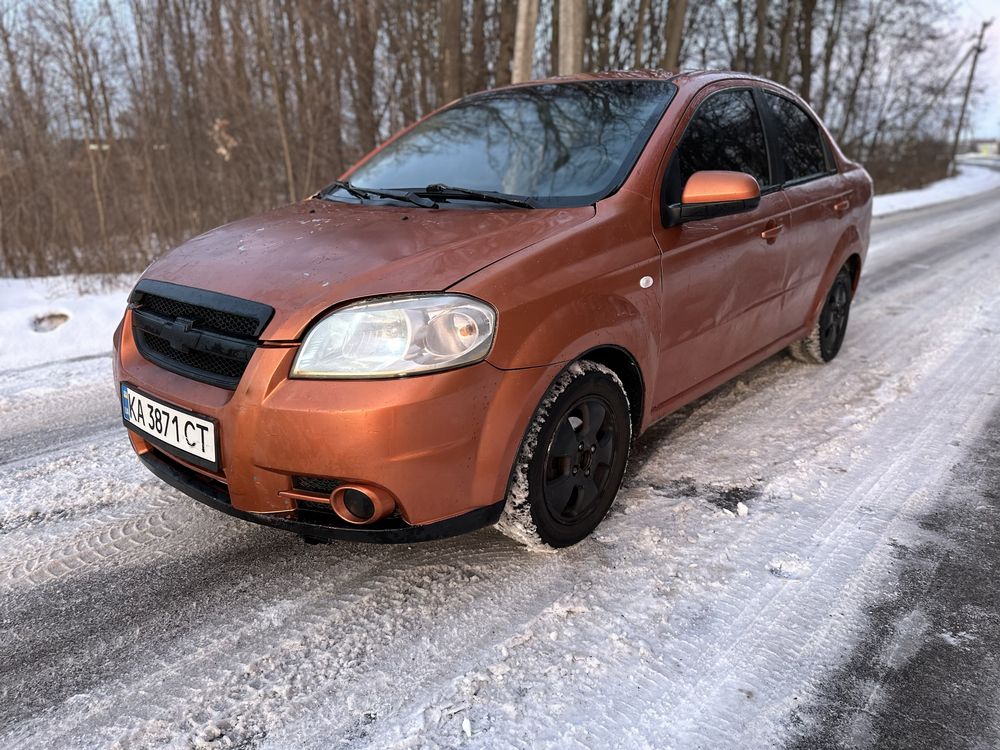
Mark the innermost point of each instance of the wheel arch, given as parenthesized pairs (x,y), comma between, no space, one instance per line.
(853,264)
(848,252)
(622,363)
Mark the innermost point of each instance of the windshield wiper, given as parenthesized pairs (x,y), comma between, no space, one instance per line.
(449,191)
(344,185)
(364,192)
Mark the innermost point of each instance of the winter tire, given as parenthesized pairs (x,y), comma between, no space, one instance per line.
(827,336)
(572,460)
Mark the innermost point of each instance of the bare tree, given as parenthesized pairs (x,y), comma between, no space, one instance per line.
(128,126)
(524,40)
(808,8)
(507,24)
(759,49)
(572,21)
(451,49)
(639,34)
(672,33)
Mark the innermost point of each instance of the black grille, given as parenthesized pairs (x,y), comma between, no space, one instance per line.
(314,507)
(323,514)
(318,485)
(204,318)
(202,335)
(226,368)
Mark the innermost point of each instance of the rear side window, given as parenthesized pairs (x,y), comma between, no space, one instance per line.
(800,144)
(725,133)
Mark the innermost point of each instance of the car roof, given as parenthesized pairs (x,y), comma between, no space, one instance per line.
(683,78)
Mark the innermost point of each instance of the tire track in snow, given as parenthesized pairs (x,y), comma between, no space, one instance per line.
(916,676)
(59,408)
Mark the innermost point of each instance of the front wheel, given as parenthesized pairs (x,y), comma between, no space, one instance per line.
(827,336)
(572,460)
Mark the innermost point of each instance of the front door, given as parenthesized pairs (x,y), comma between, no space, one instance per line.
(723,278)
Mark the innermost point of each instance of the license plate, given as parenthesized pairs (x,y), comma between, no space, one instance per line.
(177,430)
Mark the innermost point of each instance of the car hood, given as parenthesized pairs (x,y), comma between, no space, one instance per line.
(304,258)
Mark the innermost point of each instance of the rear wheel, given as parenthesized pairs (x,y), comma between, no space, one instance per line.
(827,336)
(572,460)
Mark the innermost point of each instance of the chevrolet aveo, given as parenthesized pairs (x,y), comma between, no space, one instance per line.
(471,326)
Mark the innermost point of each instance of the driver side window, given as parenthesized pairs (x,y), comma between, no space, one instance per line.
(725,133)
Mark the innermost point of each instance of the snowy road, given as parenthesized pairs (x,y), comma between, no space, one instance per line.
(854,606)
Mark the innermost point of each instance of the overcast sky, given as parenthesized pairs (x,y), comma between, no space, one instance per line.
(986,115)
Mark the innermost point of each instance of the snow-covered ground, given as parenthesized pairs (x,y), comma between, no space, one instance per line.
(131,616)
(975,175)
(49,319)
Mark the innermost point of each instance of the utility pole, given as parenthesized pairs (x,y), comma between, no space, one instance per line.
(976,51)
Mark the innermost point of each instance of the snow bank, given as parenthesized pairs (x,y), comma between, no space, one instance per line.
(48,319)
(970,180)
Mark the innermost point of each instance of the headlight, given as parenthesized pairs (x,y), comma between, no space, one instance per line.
(397,336)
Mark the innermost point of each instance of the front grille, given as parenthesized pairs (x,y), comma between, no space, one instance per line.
(204,318)
(318,485)
(218,488)
(195,360)
(202,335)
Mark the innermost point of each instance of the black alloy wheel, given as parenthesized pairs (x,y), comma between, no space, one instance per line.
(579,462)
(833,317)
(573,458)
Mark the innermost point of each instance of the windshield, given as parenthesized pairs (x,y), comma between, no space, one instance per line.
(558,144)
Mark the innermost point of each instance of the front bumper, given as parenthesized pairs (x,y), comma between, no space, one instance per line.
(441,444)
(213,495)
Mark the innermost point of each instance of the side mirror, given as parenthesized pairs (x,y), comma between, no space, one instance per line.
(708,195)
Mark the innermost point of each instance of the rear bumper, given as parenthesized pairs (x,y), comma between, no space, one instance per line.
(214,495)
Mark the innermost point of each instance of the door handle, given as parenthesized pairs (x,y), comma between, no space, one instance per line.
(772,232)
(842,205)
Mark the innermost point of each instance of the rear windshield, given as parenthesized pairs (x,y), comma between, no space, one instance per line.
(558,144)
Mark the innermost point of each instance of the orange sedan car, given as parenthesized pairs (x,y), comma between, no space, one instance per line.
(472,325)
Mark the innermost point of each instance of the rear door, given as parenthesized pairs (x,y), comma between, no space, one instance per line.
(818,198)
(722,280)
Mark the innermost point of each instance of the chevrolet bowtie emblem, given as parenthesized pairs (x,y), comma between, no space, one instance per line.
(179,334)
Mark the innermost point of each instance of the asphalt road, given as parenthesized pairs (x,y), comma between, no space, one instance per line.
(854,606)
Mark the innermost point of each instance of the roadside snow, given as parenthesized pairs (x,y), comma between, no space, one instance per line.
(971,179)
(48,319)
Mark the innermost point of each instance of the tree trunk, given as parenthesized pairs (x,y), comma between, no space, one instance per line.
(832,37)
(806,48)
(554,38)
(505,55)
(477,63)
(780,73)
(640,34)
(572,22)
(365,35)
(852,96)
(602,31)
(759,52)
(673,33)
(451,49)
(524,40)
